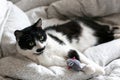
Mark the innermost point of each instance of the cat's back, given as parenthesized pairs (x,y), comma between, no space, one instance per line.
(70,30)
(80,33)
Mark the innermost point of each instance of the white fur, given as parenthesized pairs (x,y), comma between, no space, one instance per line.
(55,54)
(86,39)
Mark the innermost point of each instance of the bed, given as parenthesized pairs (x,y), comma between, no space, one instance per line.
(19,14)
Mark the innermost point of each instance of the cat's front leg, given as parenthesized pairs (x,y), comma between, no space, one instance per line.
(90,67)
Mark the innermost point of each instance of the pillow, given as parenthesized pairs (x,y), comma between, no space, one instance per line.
(16,19)
(26,5)
(104,54)
(15,1)
(3,13)
(75,8)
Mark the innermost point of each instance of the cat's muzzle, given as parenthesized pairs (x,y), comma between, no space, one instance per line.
(39,51)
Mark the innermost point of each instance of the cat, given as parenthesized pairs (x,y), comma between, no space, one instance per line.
(52,45)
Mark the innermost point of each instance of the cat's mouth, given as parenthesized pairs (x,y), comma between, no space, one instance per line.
(39,51)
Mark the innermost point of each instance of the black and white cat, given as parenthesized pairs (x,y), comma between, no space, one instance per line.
(54,44)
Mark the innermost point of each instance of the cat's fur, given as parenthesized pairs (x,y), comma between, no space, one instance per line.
(53,45)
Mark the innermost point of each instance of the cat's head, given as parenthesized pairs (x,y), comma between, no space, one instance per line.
(31,40)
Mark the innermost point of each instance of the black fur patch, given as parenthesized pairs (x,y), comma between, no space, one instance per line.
(56,38)
(30,34)
(72,54)
(71,29)
(103,32)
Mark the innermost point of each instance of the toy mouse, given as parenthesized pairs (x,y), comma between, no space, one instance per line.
(75,64)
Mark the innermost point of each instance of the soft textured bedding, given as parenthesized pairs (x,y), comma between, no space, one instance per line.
(14,66)
(14,19)
(22,68)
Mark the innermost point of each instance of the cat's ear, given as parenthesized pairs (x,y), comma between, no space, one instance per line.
(18,34)
(39,23)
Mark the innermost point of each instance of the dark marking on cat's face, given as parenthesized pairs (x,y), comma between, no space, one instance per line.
(31,38)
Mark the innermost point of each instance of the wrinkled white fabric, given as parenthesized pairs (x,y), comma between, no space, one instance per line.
(15,19)
(18,67)
(75,8)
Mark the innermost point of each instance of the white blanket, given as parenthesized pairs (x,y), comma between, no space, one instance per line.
(18,67)
(22,68)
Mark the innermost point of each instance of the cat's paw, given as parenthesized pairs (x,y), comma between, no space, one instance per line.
(117,36)
(100,71)
(89,69)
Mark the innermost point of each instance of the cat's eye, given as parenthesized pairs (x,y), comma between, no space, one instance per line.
(31,44)
(41,38)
